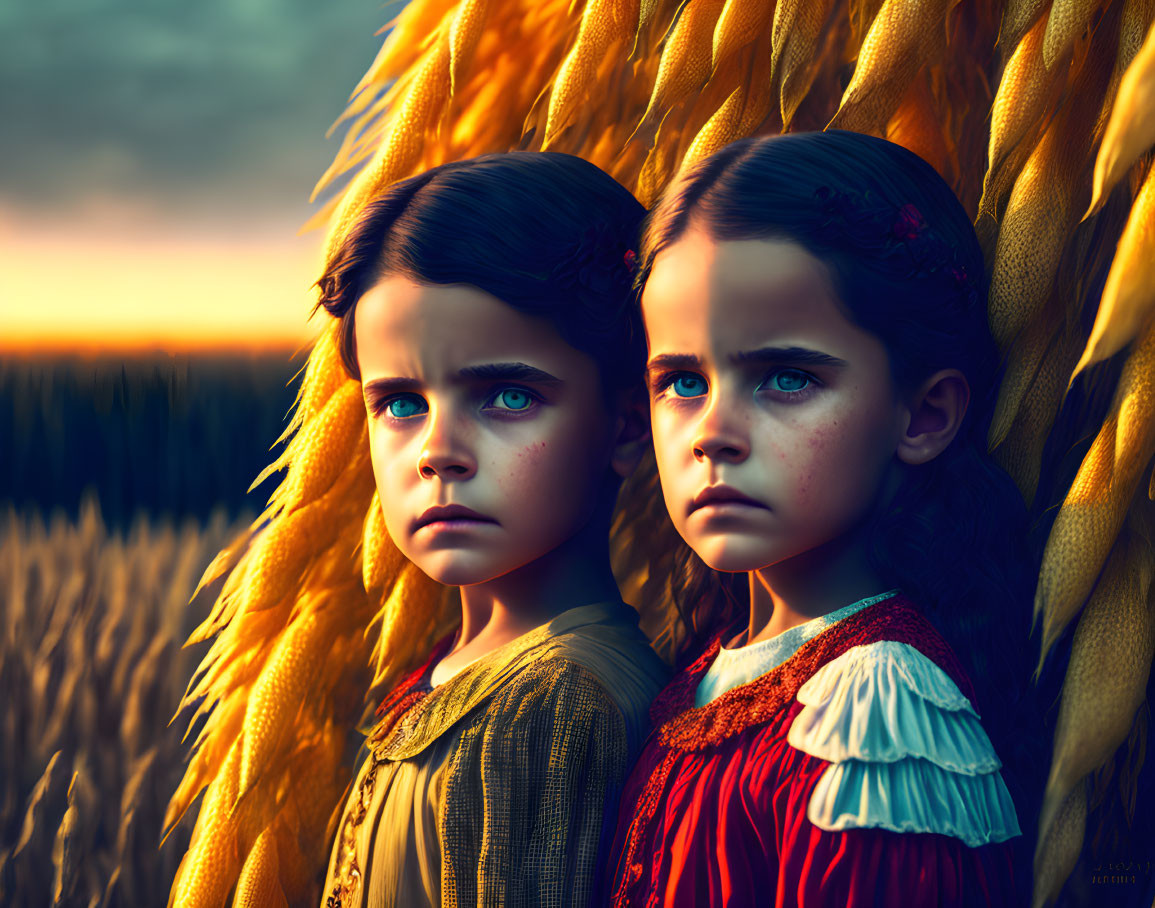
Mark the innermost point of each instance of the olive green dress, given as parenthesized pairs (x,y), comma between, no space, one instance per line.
(494,787)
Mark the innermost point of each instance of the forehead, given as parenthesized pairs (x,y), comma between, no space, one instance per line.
(406,328)
(705,295)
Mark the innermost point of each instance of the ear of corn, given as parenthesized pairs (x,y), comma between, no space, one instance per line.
(1020,453)
(741,22)
(1039,216)
(1018,17)
(1023,361)
(418,110)
(1020,97)
(209,869)
(1067,20)
(1096,505)
(1056,858)
(416,27)
(1107,675)
(464,34)
(603,23)
(1137,17)
(743,111)
(380,558)
(277,695)
(685,61)
(1031,235)
(904,35)
(411,616)
(1129,295)
(1131,129)
(258,885)
(794,56)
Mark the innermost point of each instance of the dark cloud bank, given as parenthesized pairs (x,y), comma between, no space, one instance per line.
(201,103)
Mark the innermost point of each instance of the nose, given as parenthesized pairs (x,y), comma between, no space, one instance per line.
(445,453)
(719,438)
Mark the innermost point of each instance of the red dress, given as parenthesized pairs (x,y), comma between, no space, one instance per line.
(716,809)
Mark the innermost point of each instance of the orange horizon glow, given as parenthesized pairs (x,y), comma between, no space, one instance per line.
(96,290)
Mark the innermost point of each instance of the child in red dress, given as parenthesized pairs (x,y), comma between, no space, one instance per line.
(819,366)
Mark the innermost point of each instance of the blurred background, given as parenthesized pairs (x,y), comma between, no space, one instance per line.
(156,161)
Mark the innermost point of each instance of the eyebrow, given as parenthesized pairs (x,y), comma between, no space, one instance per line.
(379,388)
(509,372)
(673,362)
(793,356)
(789,356)
(383,387)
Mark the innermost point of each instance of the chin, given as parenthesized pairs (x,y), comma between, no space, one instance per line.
(733,554)
(457,568)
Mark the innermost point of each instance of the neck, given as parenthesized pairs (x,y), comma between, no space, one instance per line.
(807,586)
(575,573)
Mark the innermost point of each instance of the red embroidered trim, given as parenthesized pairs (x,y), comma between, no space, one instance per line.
(679,725)
(644,811)
(410,691)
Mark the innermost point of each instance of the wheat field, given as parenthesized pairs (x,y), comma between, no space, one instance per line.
(91,666)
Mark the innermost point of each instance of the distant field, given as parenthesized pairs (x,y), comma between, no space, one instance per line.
(175,436)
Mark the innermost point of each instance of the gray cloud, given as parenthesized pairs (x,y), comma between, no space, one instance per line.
(209,103)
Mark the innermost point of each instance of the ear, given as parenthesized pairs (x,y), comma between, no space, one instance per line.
(936,414)
(631,431)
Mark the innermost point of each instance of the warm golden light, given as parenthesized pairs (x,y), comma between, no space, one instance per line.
(72,288)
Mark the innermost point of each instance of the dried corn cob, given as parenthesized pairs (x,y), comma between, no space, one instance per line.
(903,37)
(686,60)
(794,45)
(1129,296)
(1131,129)
(1056,856)
(1019,16)
(1107,674)
(1095,506)
(277,695)
(258,885)
(603,23)
(740,23)
(1067,20)
(464,34)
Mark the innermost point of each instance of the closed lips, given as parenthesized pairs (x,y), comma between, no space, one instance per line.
(722,495)
(450,512)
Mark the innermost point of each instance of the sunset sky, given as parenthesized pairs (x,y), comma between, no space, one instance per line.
(156,162)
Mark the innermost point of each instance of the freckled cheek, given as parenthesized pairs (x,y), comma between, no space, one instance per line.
(837,465)
(521,470)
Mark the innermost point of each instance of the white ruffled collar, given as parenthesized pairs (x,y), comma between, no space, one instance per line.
(742,664)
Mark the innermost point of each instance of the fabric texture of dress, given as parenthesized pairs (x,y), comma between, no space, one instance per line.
(854,773)
(495,787)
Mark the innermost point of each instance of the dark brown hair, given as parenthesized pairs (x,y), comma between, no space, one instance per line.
(548,234)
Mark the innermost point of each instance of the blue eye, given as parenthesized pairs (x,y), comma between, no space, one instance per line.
(404,406)
(514,399)
(688,385)
(788,381)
